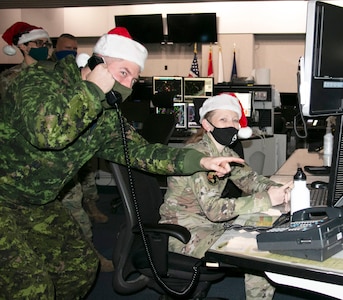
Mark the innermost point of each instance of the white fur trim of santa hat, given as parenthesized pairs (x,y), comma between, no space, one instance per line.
(118,46)
(82,59)
(230,102)
(33,35)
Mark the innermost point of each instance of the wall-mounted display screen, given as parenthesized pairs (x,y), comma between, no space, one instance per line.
(143,28)
(192,28)
(169,84)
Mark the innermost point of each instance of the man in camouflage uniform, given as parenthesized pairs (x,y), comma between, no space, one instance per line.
(195,201)
(54,120)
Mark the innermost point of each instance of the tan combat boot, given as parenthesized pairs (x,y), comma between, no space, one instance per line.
(106,265)
(93,212)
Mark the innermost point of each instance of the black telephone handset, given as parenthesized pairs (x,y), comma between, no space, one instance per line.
(112,97)
(316,213)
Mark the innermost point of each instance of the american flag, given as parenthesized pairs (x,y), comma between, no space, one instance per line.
(194,71)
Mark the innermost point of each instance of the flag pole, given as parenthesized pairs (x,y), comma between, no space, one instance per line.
(220,66)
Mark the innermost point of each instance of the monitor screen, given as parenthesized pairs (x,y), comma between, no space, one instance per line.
(181,115)
(321,68)
(143,28)
(180,112)
(246,101)
(197,87)
(169,84)
(192,28)
(321,81)
(191,116)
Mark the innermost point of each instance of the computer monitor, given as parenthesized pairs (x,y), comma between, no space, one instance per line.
(169,84)
(321,81)
(180,112)
(246,101)
(321,68)
(191,116)
(197,87)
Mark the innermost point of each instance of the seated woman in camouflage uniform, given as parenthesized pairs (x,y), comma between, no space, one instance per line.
(195,201)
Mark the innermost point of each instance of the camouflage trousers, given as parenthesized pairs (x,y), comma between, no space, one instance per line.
(43,254)
(202,238)
(73,193)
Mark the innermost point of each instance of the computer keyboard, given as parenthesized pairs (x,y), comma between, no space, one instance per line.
(318,196)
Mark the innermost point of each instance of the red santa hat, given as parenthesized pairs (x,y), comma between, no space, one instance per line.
(118,43)
(227,101)
(20,33)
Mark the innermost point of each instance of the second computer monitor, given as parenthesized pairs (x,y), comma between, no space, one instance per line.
(197,87)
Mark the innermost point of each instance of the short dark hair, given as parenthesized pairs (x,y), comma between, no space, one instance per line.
(68,35)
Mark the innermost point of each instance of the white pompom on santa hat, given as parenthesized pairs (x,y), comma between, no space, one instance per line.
(228,101)
(20,33)
(118,43)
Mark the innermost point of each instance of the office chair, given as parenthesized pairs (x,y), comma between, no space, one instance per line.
(256,161)
(231,190)
(133,271)
(158,127)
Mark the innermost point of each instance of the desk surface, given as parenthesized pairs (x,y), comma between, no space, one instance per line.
(239,248)
(300,158)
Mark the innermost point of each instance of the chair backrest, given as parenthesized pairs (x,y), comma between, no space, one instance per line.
(231,190)
(133,260)
(256,161)
(159,127)
(125,277)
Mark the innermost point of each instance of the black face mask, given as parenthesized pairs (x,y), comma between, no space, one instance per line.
(226,136)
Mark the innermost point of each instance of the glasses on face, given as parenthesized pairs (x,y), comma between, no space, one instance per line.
(40,44)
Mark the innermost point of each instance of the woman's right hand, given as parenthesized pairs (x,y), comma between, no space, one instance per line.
(280,194)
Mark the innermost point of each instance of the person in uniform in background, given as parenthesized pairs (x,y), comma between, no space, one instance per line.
(79,195)
(195,201)
(53,120)
(34,44)
(66,44)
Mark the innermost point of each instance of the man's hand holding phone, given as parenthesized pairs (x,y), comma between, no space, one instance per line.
(101,76)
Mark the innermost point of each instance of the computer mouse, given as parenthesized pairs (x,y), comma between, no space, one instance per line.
(319,184)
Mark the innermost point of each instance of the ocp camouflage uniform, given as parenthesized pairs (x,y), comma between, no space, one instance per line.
(52,122)
(71,197)
(81,186)
(195,202)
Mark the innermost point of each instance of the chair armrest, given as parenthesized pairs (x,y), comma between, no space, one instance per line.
(177,231)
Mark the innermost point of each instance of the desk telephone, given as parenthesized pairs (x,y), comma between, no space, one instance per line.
(314,233)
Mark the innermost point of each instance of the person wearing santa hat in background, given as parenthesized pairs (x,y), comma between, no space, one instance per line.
(196,201)
(34,44)
(53,120)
